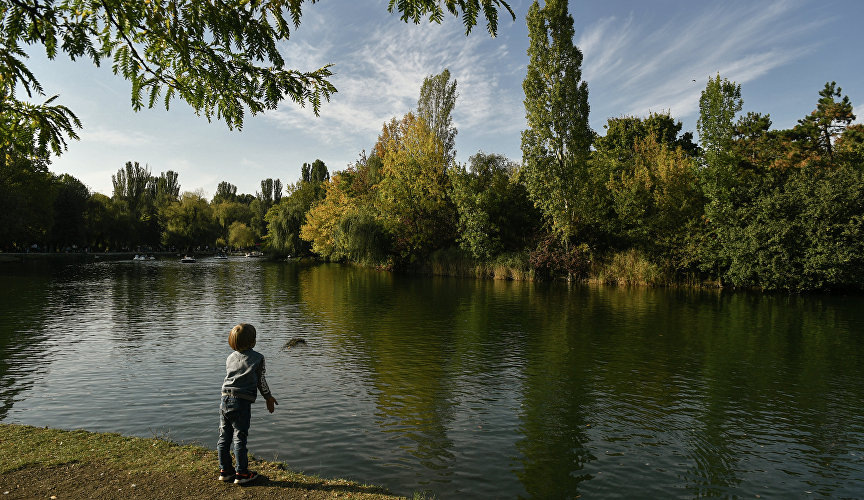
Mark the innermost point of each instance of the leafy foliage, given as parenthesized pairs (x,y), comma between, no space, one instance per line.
(555,146)
(226,213)
(285,218)
(203,52)
(240,235)
(823,126)
(315,173)
(26,203)
(437,99)
(322,227)
(800,230)
(658,202)
(188,222)
(412,196)
(70,207)
(785,216)
(416,10)
(495,214)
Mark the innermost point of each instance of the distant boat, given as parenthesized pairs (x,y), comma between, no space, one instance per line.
(254,254)
(187,259)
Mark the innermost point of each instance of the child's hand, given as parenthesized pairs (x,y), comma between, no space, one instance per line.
(271,404)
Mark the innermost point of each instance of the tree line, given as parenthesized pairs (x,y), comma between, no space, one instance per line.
(58,213)
(745,206)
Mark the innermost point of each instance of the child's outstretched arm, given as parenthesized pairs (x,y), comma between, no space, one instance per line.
(265,389)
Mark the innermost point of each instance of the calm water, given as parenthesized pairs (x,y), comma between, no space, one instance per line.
(457,387)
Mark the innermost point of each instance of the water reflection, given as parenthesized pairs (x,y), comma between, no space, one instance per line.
(460,387)
(399,334)
(22,340)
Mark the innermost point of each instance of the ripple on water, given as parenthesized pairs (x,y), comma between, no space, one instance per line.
(463,388)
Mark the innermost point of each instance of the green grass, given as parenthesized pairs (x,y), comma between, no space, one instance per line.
(628,268)
(457,262)
(35,447)
(26,446)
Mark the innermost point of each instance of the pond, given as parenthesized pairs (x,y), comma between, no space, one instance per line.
(455,387)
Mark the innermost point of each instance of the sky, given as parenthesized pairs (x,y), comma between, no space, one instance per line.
(639,57)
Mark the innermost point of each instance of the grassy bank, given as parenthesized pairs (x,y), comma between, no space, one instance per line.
(456,262)
(627,268)
(51,463)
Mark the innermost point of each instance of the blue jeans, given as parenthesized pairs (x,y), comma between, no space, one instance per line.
(234,417)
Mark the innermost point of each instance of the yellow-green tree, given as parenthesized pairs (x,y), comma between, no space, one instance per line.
(189,222)
(346,223)
(413,203)
(658,202)
(226,213)
(284,219)
(321,229)
(240,235)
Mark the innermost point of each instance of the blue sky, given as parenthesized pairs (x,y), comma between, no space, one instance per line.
(639,56)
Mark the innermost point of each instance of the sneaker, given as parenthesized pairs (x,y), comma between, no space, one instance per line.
(243,478)
(226,476)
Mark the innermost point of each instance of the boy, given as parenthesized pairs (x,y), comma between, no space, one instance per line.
(244,379)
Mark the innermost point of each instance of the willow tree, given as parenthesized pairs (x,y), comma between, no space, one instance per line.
(285,218)
(189,222)
(555,147)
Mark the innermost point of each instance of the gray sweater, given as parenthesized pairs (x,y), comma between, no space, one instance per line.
(245,374)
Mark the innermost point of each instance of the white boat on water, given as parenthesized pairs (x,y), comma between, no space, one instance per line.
(254,254)
(186,259)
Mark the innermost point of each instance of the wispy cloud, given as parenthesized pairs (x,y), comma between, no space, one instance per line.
(112,137)
(632,69)
(379,72)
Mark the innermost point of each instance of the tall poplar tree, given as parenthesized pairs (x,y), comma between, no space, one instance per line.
(130,185)
(435,105)
(718,105)
(555,147)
